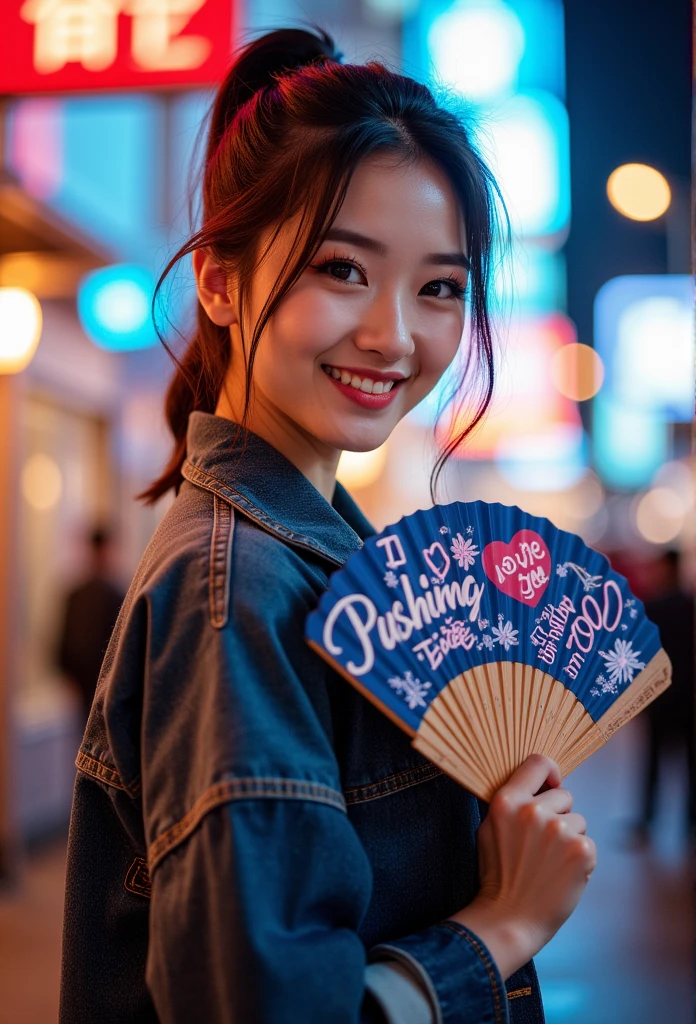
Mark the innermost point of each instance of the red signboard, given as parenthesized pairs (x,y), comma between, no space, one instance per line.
(90,45)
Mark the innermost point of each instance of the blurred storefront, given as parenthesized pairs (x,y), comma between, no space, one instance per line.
(70,462)
(86,199)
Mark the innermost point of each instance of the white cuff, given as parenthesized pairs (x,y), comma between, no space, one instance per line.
(400,995)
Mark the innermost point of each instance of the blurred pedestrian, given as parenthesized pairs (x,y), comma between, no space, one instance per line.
(670,720)
(90,614)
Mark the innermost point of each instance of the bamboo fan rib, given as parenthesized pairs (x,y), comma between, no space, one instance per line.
(488,634)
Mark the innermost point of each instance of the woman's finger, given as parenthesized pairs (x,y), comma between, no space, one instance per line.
(528,779)
(555,801)
(570,824)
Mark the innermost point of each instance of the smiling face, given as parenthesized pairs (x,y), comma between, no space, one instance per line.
(371,325)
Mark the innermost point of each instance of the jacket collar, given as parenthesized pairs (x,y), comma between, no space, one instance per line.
(252,475)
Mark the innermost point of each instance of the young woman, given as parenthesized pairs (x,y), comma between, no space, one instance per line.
(252,842)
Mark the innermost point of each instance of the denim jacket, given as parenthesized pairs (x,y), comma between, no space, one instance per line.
(251,841)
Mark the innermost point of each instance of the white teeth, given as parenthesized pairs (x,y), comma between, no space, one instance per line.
(366,385)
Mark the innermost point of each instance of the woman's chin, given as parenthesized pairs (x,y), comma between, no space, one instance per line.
(355,441)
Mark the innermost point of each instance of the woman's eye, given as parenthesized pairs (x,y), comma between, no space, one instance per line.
(456,289)
(340,270)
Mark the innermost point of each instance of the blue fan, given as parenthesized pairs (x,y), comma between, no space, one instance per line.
(489,634)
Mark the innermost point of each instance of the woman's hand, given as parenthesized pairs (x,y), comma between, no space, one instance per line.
(534,863)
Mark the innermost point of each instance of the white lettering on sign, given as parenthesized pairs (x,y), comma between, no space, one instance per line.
(86,32)
(156,41)
(73,31)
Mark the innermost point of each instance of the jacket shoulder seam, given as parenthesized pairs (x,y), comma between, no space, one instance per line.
(220,554)
(209,482)
(240,788)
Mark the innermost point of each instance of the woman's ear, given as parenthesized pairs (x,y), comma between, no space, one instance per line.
(213,290)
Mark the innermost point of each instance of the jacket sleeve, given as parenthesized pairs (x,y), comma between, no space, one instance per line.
(254,919)
(259,880)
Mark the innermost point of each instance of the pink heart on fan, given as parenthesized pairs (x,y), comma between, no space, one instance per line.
(438,570)
(521,568)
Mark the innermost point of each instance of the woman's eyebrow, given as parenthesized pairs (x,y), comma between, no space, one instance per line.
(450,259)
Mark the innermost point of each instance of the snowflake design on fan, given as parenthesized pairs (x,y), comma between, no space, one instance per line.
(482,624)
(604,685)
(411,689)
(469,530)
(391,579)
(444,529)
(622,663)
(505,634)
(561,570)
(633,612)
(464,551)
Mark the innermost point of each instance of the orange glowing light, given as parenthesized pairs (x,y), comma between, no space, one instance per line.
(639,191)
(577,372)
(21,322)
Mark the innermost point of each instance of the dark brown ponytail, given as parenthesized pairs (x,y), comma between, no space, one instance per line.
(288,127)
(200,374)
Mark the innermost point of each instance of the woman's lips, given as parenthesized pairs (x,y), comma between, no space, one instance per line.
(364,398)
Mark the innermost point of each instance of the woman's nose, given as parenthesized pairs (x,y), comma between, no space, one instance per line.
(384,329)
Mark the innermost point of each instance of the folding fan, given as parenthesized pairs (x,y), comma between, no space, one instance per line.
(489,634)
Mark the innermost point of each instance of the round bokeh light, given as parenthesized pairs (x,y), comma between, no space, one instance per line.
(577,372)
(639,191)
(660,515)
(477,48)
(21,321)
(114,307)
(42,482)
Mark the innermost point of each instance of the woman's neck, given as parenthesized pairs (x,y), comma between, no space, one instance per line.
(317,461)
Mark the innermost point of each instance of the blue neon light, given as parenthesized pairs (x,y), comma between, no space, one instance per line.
(113,304)
(643,327)
(643,330)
